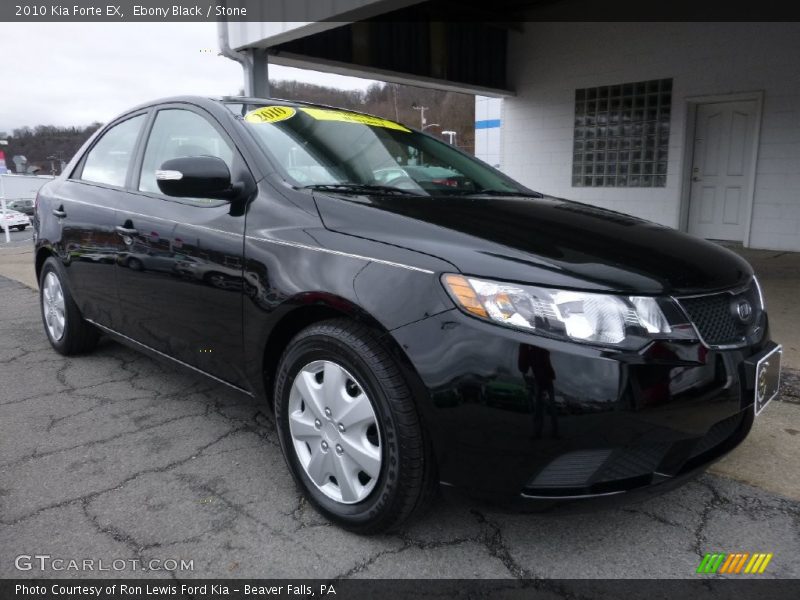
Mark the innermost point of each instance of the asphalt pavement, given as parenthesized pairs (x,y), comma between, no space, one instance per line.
(115,457)
(18,239)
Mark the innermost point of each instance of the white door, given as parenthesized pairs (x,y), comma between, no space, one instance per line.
(721,170)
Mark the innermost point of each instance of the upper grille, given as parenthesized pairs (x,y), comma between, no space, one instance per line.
(716,318)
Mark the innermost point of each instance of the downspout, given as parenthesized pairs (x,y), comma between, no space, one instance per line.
(242,58)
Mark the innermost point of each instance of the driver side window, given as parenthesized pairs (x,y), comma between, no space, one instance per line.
(180,133)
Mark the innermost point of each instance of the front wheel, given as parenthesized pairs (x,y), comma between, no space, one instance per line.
(134,264)
(66,329)
(349,428)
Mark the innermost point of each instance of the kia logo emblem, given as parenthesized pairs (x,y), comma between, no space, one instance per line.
(762,382)
(745,310)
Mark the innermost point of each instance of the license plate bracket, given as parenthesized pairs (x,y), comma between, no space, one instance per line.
(767,378)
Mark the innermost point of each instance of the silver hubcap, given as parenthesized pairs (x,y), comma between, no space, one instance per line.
(53,306)
(335,432)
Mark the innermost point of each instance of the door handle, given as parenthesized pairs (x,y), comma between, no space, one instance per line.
(59,212)
(126,230)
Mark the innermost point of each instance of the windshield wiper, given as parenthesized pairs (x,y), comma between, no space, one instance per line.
(505,193)
(358,188)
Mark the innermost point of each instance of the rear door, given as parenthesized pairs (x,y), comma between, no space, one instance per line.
(83,206)
(179,270)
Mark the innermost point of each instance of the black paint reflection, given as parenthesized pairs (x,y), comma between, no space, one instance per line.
(538,373)
(159,254)
(91,245)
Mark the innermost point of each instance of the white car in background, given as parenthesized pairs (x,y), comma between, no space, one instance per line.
(14,220)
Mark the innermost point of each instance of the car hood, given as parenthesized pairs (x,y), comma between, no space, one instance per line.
(547,240)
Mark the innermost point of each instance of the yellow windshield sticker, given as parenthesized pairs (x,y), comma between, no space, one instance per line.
(270,114)
(325,114)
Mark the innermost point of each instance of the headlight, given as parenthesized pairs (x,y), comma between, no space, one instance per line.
(580,316)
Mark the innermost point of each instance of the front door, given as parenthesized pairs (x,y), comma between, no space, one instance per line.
(722,170)
(179,275)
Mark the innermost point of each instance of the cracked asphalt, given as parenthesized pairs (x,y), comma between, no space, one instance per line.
(116,456)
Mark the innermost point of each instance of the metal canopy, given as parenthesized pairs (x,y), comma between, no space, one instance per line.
(395,40)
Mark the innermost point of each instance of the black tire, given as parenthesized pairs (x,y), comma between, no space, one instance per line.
(79,336)
(214,279)
(21,227)
(407,480)
(134,264)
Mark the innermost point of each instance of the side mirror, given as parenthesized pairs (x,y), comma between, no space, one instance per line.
(196,177)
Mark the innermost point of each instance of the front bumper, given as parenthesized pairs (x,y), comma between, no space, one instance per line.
(518,416)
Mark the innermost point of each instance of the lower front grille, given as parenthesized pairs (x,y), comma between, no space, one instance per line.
(584,472)
(717,434)
(718,317)
(571,470)
(634,461)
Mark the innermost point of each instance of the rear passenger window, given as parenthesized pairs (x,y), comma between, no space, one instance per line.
(180,133)
(108,160)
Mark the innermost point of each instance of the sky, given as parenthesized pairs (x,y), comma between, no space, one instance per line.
(78,73)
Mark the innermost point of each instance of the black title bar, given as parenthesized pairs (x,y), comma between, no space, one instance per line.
(497,11)
(703,587)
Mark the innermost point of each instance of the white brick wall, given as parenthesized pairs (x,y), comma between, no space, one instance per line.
(550,60)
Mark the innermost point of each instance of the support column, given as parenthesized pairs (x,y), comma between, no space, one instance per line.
(256,69)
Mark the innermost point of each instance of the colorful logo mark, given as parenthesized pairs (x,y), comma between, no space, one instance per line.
(736,563)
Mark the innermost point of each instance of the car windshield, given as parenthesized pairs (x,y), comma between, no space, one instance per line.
(344,151)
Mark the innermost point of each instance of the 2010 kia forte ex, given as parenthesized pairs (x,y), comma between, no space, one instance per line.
(415,318)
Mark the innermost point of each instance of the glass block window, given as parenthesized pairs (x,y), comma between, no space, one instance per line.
(622,135)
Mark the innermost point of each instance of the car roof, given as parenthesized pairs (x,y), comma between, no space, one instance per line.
(214,103)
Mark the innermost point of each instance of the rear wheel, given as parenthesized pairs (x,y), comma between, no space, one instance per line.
(66,329)
(349,428)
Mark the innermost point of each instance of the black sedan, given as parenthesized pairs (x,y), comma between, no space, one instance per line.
(409,335)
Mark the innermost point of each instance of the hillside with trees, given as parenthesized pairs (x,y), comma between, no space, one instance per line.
(445,111)
(41,142)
